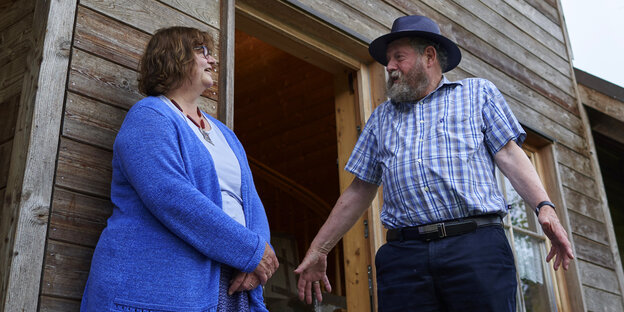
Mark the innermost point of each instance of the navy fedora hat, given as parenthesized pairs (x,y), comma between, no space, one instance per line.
(415,26)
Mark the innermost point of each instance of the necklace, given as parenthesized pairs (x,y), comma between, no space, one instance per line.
(201,125)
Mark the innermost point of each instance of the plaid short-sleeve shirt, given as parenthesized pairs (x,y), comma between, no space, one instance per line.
(435,157)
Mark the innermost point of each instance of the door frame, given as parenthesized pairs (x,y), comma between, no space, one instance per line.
(303,33)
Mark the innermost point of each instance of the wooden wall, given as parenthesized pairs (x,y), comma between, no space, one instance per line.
(16,19)
(109,38)
(15,26)
(521,46)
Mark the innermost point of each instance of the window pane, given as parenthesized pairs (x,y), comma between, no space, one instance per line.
(529,261)
(517,209)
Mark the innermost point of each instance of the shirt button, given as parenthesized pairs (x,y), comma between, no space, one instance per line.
(426,189)
(419,160)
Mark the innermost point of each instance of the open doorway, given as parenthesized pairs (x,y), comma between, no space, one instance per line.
(285,117)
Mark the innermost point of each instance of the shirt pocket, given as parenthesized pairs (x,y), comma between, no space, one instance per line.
(457,134)
(122,305)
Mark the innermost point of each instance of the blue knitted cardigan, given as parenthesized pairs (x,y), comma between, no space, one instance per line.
(167,237)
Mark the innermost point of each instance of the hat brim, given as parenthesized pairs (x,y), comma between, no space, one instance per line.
(378,47)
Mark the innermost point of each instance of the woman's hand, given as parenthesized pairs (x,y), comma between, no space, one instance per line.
(243,282)
(267,266)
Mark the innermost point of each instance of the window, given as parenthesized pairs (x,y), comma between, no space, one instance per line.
(537,289)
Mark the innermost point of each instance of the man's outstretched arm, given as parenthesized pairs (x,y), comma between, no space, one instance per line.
(517,167)
(348,209)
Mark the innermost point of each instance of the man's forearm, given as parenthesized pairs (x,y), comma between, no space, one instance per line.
(348,209)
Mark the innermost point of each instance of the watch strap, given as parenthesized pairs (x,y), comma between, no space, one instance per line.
(542,204)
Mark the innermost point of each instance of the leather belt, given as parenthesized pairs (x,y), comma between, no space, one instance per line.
(443,229)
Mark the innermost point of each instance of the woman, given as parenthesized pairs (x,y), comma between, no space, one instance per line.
(188,231)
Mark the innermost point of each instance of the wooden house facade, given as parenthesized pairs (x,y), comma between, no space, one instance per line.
(296,83)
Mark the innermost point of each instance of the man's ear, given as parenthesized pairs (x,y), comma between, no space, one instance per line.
(431,56)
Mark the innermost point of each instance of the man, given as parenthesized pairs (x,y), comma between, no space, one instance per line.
(435,145)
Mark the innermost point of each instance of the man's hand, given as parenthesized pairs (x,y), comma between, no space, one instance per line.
(267,266)
(312,270)
(561,249)
(243,281)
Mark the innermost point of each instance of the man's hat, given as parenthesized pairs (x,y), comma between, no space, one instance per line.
(415,26)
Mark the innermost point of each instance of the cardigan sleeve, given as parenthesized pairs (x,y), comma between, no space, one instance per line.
(148,153)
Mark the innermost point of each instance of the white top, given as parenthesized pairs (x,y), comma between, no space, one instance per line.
(226,165)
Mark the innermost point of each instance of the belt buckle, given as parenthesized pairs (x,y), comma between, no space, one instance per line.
(438,228)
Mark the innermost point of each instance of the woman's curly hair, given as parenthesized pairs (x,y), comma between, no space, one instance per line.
(169,58)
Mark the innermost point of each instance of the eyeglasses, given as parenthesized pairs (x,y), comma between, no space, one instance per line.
(205,50)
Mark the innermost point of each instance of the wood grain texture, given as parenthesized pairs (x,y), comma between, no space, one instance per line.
(66,270)
(581,183)
(602,301)
(53,304)
(582,204)
(91,122)
(78,218)
(29,186)
(588,227)
(13,11)
(84,168)
(602,102)
(590,251)
(598,277)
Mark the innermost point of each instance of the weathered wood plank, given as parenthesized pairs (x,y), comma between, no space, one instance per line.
(602,301)
(91,122)
(528,12)
(29,186)
(377,11)
(602,102)
(53,304)
(226,60)
(109,38)
(588,227)
(101,79)
(5,160)
(599,277)
(13,11)
(573,159)
(205,11)
(14,42)
(66,269)
(550,53)
(13,72)
(583,204)
(357,254)
(548,9)
(8,117)
(536,120)
(593,252)
(579,182)
(78,218)
(147,16)
(349,17)
(84,168)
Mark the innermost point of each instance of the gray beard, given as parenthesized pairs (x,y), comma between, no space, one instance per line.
(410,89)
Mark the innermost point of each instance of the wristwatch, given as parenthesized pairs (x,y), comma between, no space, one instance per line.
(542,204)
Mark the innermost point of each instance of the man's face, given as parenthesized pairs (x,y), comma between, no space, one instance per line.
(407,79)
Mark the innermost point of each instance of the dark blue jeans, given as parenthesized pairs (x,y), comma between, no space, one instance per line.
(469,272)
